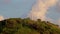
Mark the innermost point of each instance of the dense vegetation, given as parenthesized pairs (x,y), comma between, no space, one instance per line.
(27,26)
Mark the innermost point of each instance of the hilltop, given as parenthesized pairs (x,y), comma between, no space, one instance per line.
(27,26)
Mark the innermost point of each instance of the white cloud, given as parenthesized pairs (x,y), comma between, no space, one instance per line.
(1,18)
(39,10)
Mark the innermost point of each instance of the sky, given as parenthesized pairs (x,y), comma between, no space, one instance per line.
(43,9)
(15,8)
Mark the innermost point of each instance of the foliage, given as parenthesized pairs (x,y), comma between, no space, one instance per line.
(27,26)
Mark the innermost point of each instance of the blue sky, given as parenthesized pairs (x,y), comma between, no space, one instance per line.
(20,8)
(15,8)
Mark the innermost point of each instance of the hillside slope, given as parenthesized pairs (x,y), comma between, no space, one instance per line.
(27,26)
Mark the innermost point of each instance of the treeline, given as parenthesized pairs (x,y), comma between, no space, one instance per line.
(27,26)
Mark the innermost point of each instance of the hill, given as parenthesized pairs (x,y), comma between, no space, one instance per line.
(27,26)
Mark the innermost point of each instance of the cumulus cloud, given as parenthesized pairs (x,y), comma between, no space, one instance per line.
(1,18)
(40,9)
